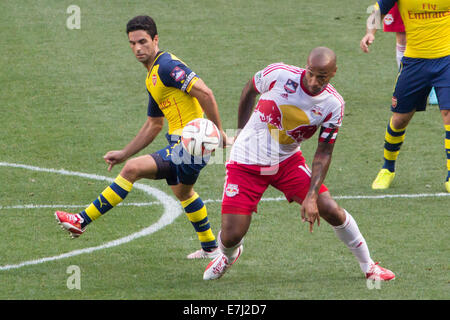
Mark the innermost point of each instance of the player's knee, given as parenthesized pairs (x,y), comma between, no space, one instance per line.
(401,120)
(331,212)
(446,116)
(234,228)
(230,236)
(131,170)
(230,240)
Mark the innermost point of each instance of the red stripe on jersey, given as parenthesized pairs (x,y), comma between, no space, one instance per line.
(282,68)
(278,66)
(254,85)
(328,117)
(272,66)
(272,84)
(333,91)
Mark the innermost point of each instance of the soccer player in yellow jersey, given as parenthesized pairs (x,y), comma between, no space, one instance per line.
(426,64)
(179,95)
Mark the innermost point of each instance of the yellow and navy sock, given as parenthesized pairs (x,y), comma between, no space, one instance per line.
(447,149)
(196,212)
(393,140)
(109,198)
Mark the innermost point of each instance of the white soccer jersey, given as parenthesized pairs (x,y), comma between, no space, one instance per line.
(285,115)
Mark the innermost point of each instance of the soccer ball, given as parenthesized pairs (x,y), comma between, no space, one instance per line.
(200,137)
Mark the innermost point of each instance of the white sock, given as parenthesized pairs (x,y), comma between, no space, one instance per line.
(349,233)
(399,50)
(230,253)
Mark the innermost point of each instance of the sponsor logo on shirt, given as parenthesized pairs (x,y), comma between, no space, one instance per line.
(316,112)
(269,113)
(290,86)
(178,74)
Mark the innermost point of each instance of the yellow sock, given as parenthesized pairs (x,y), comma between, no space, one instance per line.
(447,149)
(196,212)
(393,140)
(109,198)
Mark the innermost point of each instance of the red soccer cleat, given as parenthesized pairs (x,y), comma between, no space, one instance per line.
(378,273)
(70,222)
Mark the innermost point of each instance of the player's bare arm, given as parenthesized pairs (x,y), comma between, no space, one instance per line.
(207,101)
(151,128)
(320,165)
(246,103)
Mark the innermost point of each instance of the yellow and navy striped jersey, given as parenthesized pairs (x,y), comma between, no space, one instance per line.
(168,83)
(427,26)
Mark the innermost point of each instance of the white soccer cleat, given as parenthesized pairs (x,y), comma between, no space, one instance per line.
(220,265)
(202,254)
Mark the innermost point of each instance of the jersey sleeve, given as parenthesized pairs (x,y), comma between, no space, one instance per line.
(176,74)
(332,123)
(385,5)
(153,109)
(265,79)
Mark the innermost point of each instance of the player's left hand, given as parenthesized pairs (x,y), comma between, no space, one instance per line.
(310,212)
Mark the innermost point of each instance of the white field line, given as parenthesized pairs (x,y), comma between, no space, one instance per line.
(151,203)
(172,209)
(74,206)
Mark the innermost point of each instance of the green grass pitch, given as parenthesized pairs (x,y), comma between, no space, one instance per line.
(70,95)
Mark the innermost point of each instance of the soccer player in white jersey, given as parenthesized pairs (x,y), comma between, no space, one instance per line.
(294,103)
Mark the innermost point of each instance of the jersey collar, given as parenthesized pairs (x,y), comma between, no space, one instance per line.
(156,59)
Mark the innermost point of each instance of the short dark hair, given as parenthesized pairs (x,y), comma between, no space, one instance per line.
(145,23)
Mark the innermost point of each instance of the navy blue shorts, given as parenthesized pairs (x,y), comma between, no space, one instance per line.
(176,165)
(415,79)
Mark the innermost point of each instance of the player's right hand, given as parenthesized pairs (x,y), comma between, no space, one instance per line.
(310,212)
(114,157)
(226,140)
(366,41)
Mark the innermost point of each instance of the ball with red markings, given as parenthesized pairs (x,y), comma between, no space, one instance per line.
(200,137)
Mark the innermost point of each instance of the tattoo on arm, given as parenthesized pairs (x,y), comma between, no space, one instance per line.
(320,165)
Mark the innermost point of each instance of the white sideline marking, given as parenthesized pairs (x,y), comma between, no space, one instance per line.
(172,210)
(385,196)
(59,206)
(147,204)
